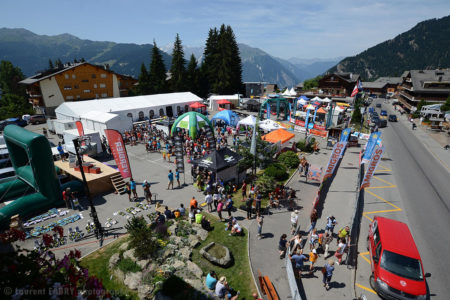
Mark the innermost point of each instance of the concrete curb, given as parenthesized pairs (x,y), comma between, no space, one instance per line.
(250,262)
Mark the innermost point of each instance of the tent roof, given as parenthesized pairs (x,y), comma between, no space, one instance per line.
(310,106)
(113,105)
(197,105)
(326,100)
(278,135)
(286,92)
(292,92)
(218,160)
(269,125)
(321,111)
(230,117)
(99,116)
(305,98)
(221,97)
(249,121)
(223,101)
(252,102)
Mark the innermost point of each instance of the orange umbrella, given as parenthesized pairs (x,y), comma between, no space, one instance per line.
(321,111)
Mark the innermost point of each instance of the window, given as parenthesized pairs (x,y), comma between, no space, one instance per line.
(161,112)
(141,115)
(103,75)
(104,95)
(67,87)
(186,108)
(69,98)
(94,76)
(66,76)
(74,76)
(102,85)
(96,96)
(401,265)
(95,85)
(78,96)
(85,80)
(76,86)
(86,91)
(152,113)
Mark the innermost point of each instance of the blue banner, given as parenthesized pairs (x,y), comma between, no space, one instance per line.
(268,110)
(306,119)
(345,135)
(290,111)
(373,140)
(315,112)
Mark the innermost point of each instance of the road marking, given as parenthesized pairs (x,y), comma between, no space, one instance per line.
(363,255)
(385,169)
(366,288)
(437,157)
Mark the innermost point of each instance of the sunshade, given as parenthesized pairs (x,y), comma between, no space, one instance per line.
(197,105)
(321,111)
(343,104)
(327,100)
(316,99)
(218,160)
(304,98)
(301,101)
(191,121)
(279,135)
(223,101)
(269,125)
(228,116)
(248,121)
(310,106)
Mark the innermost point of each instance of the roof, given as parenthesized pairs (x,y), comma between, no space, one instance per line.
(218,160)
(99,116)
(421,78)
(52,72)
(396,237)
(382,82)
(221,97)
(114,105)
(277,136)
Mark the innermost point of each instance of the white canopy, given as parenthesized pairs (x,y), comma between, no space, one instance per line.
(327,100)
(286,92)
(248,121)
(338,109)
(302,101)
(269,125)
(292,92)
(316,99)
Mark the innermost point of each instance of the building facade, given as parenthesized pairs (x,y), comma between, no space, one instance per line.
(75,82)
(432,86)
(338,84)
(254,89)
(382,86)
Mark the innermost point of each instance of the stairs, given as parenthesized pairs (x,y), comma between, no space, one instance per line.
(118,183)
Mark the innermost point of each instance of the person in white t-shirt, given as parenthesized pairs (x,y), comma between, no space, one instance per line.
(340,250)
(294,221)
(209,201)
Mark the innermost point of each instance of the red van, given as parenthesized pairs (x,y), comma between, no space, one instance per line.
(397,271)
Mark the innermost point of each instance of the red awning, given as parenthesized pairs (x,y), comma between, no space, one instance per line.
(223,101)
(197,105)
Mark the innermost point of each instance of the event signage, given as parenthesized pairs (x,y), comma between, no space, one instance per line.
(372,166)
(336,154)
(370,146)
(345,135)
(321,133)
(319,127)
(80,128)
(119,152)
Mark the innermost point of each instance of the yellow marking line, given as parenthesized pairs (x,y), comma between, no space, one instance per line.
(363,255)
(366,288)
(385,169)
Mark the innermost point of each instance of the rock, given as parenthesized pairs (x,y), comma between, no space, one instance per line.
(143,263)
(195,283)
(194,269)
(178,264)
(223,261)
(176,240)
(133,280)
(172,228)
(130,254)
(202,233)
(166,252)
(114,260)
(145,291)
(185,252)
(124,246)
(193,241)
(118,274)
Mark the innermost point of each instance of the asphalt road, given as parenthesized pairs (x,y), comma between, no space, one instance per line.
(424,188)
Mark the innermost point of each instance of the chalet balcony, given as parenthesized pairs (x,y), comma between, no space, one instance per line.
(407,96)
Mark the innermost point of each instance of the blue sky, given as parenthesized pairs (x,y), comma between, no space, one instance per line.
(283,28)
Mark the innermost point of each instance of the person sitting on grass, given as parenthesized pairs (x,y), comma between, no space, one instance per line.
(205,224)
(182,210)
(211,280)
(192,212)
(236,229)
(168,213)
(223,291)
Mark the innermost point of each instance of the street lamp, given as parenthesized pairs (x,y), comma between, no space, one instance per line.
(93,214)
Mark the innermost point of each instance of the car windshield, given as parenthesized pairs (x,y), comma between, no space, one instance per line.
(383,113)
(400,265)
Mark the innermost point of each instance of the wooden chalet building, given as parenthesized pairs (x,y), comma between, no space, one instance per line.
(338,84)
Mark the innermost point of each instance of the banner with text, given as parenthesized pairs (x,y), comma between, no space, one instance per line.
(345,134)
(119,152)
(336,154)
(372,166)
(373,140)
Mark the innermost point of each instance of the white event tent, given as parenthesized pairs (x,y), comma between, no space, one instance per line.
(248,121)
(292,92)
(269,125)
(233,99)
(120,113)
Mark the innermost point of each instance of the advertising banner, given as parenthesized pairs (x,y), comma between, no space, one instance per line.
(345,134)
(373,140)
(80,128)
(319,127)
(300,123)
(321,133)
(119,152)
(307,118)
(372,166)
(336,154)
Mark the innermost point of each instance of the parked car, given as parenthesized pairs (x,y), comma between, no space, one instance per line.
(383,113)
(378,105)
(392,118)
(382,123)
(397,269)
(37,119)
(26,118)
(15,121)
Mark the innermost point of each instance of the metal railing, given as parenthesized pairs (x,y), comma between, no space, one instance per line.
(295,294)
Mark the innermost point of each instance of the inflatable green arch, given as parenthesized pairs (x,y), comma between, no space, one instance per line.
(36,180)
(191,121)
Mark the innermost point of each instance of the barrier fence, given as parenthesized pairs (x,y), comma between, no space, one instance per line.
(295,294)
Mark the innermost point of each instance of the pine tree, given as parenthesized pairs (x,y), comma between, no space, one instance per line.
(210,60)
(236,63)
(144,87)
(157,74)
(13,101)
(177,70)
(50,64)
(192,76)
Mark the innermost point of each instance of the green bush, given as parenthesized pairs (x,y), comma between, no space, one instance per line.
(266,184)
(277,171)
(306,147)
(289,159)
(127,265)
(141,238)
